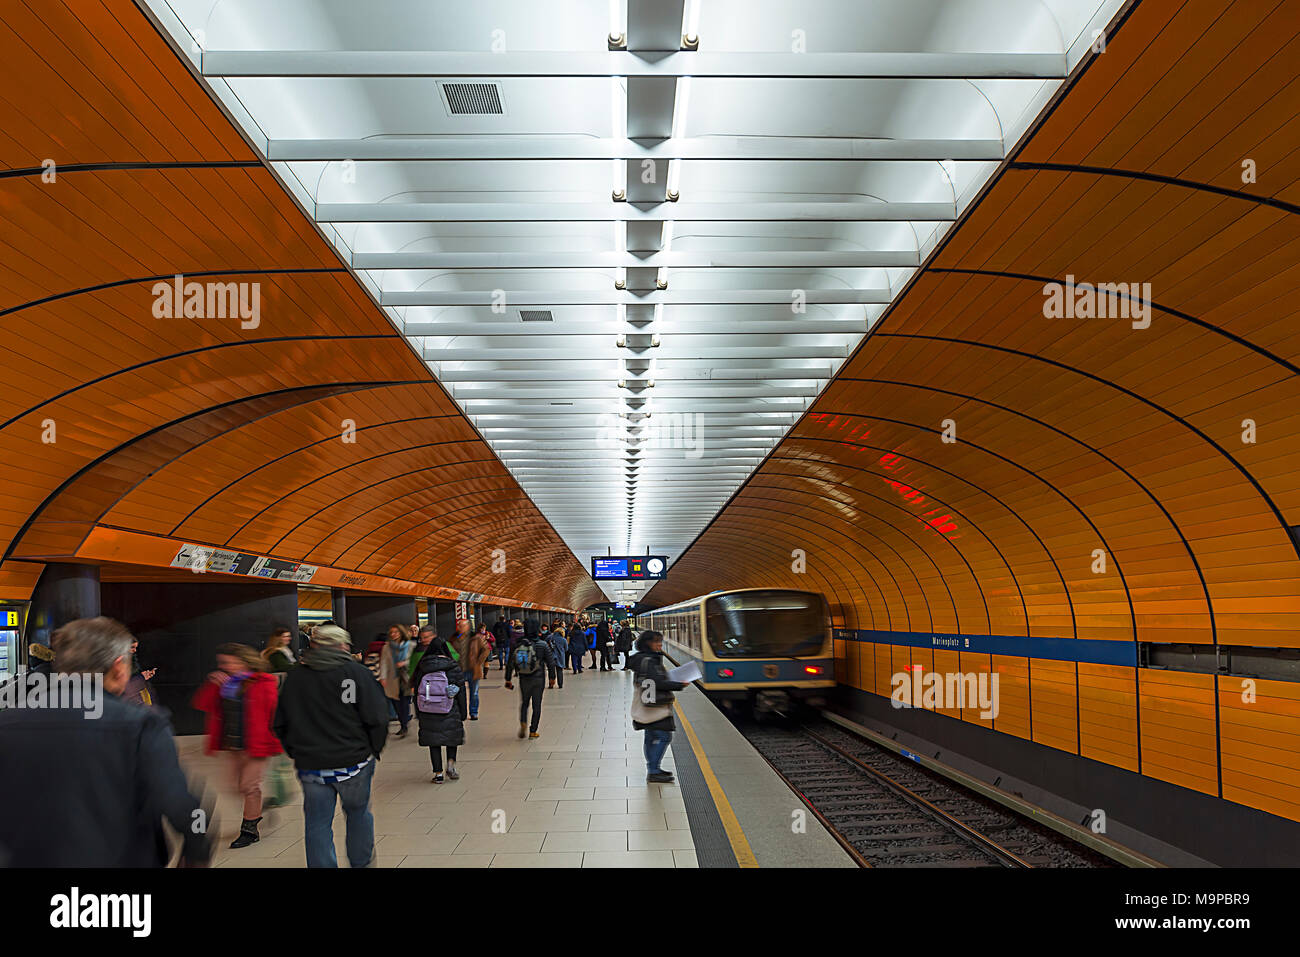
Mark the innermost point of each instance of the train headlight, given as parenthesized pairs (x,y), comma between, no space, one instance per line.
(726,673)
(812,669)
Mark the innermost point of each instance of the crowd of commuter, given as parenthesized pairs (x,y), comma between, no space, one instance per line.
(322,715)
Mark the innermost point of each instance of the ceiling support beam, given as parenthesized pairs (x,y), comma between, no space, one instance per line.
(630,213)
(601,64)
(677,259)
(478,149)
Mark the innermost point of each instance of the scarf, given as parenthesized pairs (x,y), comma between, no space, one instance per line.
(230,688)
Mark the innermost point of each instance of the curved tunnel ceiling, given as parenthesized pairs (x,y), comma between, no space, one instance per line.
(608,254)
(309,431)
(1171,449)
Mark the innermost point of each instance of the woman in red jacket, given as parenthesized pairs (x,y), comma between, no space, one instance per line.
(239,700)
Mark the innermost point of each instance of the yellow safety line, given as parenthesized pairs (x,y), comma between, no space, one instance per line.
(735,834)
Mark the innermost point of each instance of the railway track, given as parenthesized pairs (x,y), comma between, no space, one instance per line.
(887,811)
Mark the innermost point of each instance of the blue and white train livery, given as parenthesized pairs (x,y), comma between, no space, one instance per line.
(771,647)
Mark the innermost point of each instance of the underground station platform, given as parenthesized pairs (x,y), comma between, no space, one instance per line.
(894,407)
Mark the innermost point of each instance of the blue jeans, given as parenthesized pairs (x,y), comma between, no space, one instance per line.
(473,696)
(318,818)
(656,744)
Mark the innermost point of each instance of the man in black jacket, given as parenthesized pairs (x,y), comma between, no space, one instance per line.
(532,683)
(332,719)
(603,640)
(501,632)
(88,782)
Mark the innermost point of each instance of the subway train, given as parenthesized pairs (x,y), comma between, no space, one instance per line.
(768,648)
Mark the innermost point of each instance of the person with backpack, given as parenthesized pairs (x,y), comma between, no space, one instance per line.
(652,703)
(240,699)
(533,660)
(440,706)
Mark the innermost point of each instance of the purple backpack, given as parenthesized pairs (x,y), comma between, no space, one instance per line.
(433,695)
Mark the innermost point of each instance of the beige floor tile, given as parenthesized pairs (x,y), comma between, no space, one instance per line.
(662,840)
(685,858)
(560,794)
(446,860)
(591,807)
(628,859)
(442,843)
(628,822)
(586,841)
(404,825)
(573,859)
(546,823)
(501,843)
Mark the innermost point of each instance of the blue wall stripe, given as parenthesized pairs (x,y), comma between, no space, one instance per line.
(1088,650)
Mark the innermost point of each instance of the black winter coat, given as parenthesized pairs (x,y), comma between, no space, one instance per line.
(649,666)
(623,643)
(92,792)
(442,730)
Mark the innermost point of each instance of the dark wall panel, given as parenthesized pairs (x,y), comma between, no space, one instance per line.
(181,625)
(370,615)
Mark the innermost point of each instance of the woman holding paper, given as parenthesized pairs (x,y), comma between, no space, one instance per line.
(652,703)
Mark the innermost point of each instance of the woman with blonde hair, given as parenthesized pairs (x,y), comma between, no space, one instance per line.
(277,654)
(239,699)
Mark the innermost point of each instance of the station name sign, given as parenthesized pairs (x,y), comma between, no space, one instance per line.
(200,558)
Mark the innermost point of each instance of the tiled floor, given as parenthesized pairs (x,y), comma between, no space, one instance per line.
(575,797)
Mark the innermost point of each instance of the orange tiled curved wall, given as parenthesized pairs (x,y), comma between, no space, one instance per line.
(198,429)
(1079,435)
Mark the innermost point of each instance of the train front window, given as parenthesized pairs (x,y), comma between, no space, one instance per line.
(766,623)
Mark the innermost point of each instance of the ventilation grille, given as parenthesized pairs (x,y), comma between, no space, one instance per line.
(536,315)
(473,98)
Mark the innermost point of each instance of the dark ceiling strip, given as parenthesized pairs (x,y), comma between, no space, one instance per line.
(356,491)
(1104,457)
(285,271)
(189,352)
(1016,465)
(1158,178)
(410,511)
(866,471)
(298,451)
(62,168)
(727,533)
(105,456)
(1277,512)
(904,532)
(1030,277)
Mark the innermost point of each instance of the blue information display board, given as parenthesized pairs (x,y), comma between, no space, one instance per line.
(629,567)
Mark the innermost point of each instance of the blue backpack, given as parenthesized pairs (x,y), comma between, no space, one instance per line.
(434,695)
(525,658)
